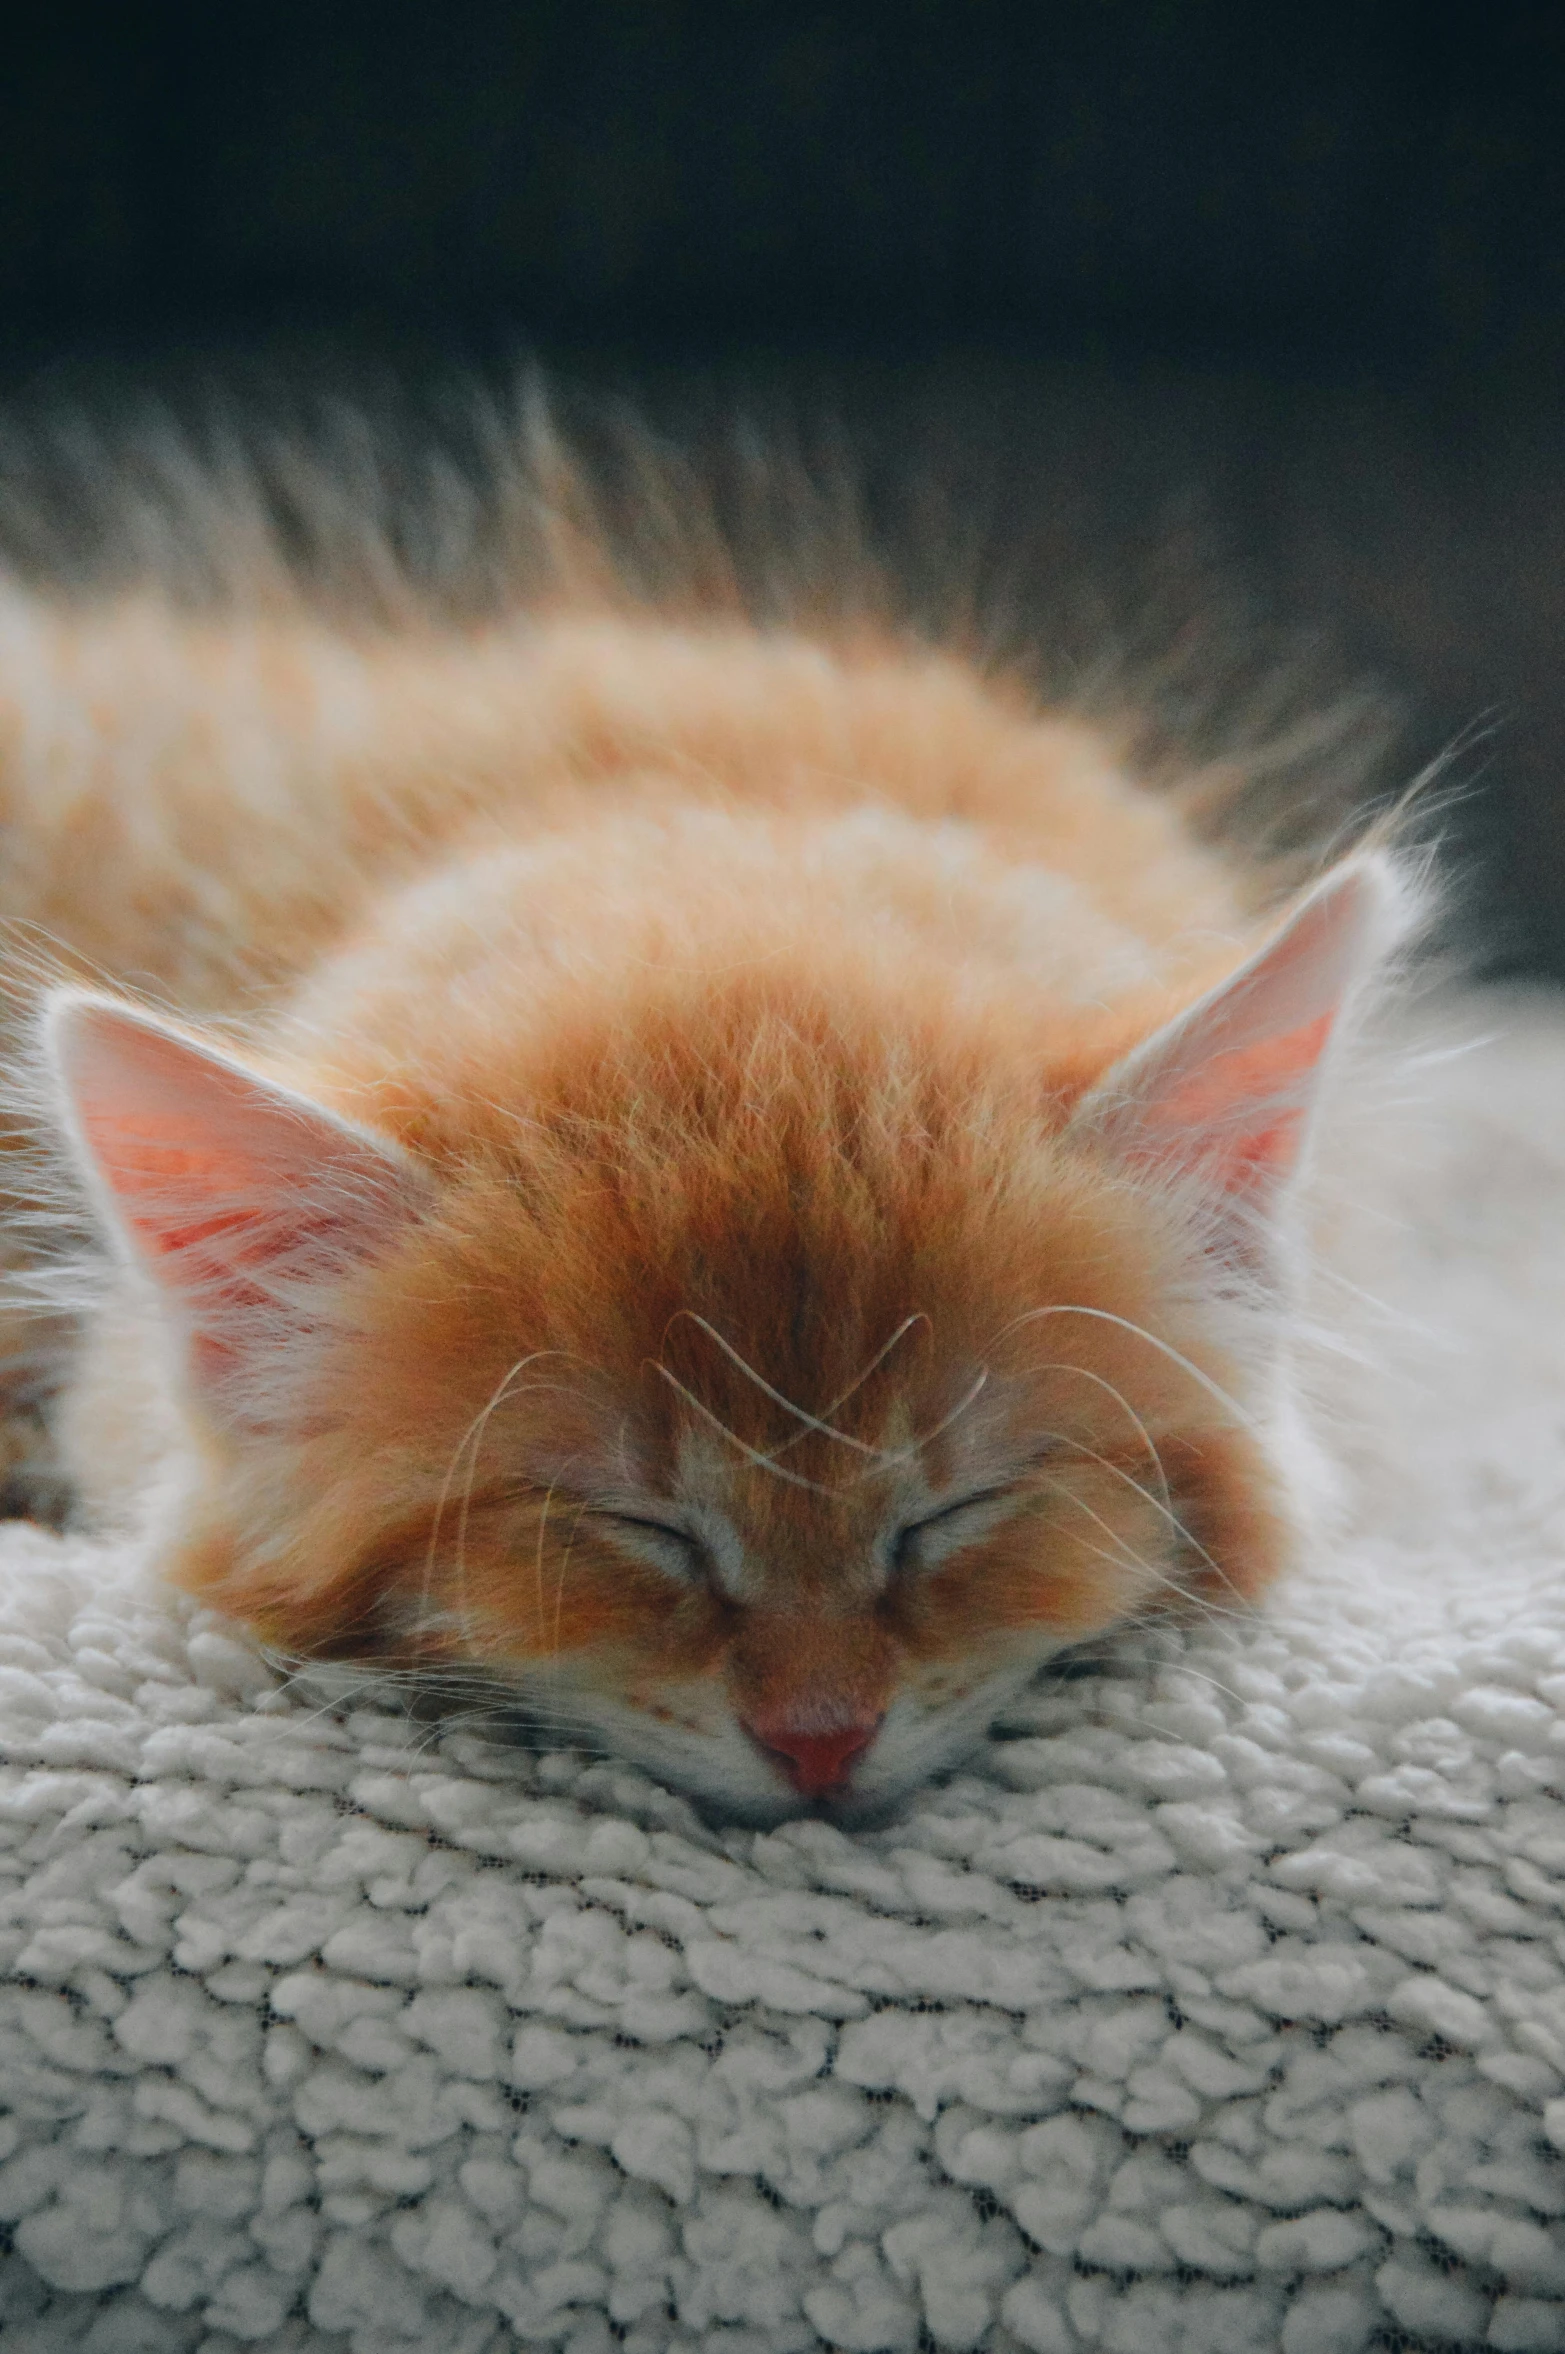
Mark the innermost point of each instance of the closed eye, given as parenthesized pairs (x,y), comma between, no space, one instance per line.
(670,1549)
(924,1543)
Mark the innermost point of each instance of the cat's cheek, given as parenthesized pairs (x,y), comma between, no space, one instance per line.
(1046,1585)
(1231,1498)
(700,1710)
(972,1686)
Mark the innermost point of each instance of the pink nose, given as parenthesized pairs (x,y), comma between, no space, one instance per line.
(815,1762)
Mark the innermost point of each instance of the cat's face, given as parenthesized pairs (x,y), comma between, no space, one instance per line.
(792,1475)
(756,1392)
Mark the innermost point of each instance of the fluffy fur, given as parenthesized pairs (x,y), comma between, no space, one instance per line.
(728,1185)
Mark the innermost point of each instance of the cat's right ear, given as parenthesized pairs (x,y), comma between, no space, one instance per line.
(244,1201)
(1223,1094)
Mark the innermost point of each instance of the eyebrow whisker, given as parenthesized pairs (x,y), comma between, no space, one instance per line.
(916,1446)
(857,1383)
(752,1454)
(1213,1389)
(810,1421)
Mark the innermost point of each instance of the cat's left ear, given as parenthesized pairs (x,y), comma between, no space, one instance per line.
(1223,1093)
(245,1202)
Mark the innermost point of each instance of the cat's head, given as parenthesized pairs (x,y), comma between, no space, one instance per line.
(757,1373)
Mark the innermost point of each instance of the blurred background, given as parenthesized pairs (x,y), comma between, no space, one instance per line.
(1239,323)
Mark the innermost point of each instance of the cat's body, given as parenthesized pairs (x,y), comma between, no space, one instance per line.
(701,1205)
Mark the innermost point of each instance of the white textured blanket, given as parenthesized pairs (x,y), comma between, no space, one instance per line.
(1220,2007)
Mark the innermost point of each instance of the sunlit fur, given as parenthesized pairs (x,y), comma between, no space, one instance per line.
(728,995)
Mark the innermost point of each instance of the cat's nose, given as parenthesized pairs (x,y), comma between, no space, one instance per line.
(815,1763)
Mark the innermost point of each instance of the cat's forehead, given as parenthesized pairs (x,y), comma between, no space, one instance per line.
(792,1254)
(755,1303)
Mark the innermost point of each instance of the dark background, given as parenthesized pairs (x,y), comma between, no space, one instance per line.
(1270,298)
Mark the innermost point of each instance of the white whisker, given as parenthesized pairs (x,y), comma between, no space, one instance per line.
(810,1421)
(1125,1557)
(1140,1332)
(1082,1373)
(906,1454)
(543,1523)
(854,1386)
(753,1454)
(473,1434)
(1164,1509)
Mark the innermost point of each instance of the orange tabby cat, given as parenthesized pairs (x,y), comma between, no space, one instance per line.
(729,1185)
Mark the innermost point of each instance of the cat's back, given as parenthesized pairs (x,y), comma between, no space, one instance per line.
(208,802)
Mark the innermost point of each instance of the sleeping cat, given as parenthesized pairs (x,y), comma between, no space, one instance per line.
(729,1185)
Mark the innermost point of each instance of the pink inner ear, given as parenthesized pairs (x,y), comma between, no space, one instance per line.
(242,1198)
(167,1196)
(1246,1107)
(1225,1089)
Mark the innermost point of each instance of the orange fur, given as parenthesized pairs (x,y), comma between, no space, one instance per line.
(739,1006)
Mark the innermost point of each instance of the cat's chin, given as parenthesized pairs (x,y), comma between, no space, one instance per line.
(871,1808)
